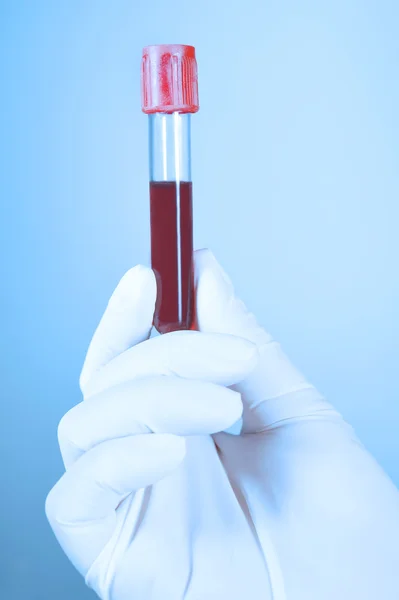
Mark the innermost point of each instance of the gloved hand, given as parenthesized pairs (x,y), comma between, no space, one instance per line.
(152,506)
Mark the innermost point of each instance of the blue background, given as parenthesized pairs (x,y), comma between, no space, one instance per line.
(296,190)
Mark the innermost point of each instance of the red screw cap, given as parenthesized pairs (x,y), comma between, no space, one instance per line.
(169,80)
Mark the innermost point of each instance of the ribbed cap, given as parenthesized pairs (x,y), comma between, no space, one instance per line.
(169,80)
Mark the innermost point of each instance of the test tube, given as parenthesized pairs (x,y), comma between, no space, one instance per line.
(169,97)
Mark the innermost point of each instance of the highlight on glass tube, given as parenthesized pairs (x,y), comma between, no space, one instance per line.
(169,97)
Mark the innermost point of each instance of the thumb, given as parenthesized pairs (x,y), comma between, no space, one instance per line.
(126,322)
(275,390)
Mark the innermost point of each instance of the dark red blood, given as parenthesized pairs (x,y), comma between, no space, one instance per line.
(165,225)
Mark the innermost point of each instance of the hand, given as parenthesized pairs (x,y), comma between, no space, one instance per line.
(292,508)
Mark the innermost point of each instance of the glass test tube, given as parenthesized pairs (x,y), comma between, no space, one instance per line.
(170,95)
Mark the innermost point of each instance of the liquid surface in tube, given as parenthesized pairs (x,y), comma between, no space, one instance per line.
(172,254)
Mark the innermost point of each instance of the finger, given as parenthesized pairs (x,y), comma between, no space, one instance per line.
(127,320)
(222,359)
(154,404)
(275,389)
(81,506)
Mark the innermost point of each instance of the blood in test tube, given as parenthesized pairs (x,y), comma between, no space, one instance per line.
(169,97)
(171,253)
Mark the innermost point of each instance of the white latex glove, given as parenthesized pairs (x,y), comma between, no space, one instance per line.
(294,508)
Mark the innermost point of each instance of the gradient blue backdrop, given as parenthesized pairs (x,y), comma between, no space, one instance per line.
(296,191)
